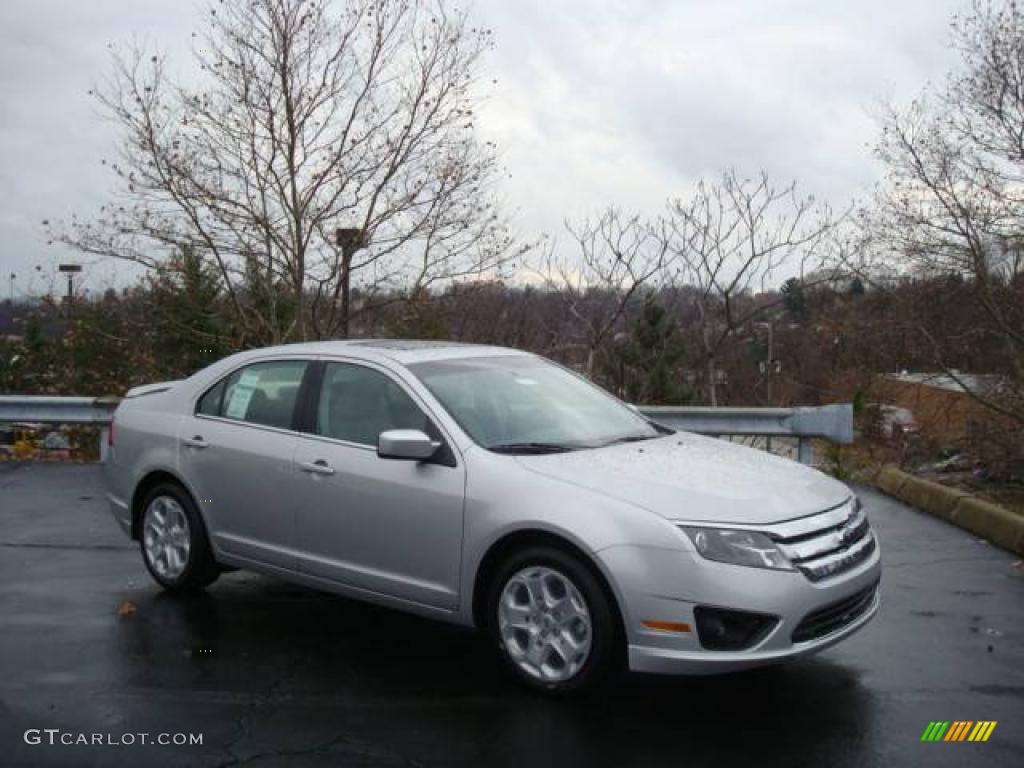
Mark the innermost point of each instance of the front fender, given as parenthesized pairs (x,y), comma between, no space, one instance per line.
(502,498)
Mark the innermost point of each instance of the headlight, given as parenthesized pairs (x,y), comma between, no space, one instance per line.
(738,547)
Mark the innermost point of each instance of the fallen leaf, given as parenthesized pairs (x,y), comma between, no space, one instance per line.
(126,608)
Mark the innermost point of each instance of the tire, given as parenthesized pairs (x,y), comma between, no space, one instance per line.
(567,641)
(173,540)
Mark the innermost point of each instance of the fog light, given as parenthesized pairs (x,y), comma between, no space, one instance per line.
(720,629)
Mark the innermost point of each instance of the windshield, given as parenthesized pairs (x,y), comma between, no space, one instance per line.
(524,404)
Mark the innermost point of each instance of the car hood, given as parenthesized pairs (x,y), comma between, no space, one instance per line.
(684,476)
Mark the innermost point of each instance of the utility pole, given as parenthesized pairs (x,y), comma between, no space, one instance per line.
(13,276)
(771,366)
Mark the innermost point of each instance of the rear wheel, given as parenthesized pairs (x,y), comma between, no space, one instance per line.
(552,621)
(174,544)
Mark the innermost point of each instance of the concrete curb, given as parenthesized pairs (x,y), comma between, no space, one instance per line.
(988,520)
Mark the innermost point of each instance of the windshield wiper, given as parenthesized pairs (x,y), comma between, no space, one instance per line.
(627,439)
(531,448)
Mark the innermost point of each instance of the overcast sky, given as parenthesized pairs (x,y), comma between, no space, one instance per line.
(597,101)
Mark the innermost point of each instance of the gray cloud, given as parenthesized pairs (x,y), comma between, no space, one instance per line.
(597,101)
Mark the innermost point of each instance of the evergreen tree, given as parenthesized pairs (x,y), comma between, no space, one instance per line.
(794,298)
(188,327)
(647,364)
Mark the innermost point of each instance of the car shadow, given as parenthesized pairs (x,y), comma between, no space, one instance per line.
(313,651)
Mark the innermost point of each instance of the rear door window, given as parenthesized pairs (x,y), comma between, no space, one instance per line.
(261,393)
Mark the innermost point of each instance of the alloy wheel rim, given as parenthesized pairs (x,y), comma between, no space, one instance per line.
(545,624)
(166,537)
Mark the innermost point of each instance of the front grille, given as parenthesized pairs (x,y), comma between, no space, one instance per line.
(834,616)
(828,544)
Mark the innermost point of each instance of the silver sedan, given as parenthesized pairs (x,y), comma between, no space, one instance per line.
(494,489)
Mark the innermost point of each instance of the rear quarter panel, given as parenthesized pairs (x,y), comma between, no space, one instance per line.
(145,440)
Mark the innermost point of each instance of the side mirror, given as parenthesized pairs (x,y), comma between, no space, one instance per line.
(408,444)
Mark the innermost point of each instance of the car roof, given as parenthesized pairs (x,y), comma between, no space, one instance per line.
(402,351)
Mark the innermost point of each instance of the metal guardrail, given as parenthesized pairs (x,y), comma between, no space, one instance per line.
(831,422)
(48,409)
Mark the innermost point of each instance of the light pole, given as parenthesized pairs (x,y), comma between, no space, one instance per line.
(13,276)
(71,270)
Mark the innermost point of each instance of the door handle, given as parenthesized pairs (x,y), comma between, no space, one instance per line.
(318,467)
(195,442)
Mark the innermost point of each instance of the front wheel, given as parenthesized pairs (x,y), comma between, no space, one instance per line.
(552,621)
(174,543)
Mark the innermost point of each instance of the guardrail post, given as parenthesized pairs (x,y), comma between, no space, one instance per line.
(803,450)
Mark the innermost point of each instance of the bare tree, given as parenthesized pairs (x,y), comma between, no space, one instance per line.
(325,147)
(730,238)
(952,202)
(617,257)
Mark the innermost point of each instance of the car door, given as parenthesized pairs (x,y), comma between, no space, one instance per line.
(390,526)
(236,453)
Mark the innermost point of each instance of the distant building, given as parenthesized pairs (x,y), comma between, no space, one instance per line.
(942,405)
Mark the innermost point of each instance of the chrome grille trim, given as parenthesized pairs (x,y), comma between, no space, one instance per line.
(830,540)
(826,544)
(790,529)
(812,524)
(836,563)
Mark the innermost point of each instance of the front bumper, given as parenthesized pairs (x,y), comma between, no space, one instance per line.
(666,585)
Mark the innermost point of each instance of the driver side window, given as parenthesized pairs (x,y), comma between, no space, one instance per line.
(357,403)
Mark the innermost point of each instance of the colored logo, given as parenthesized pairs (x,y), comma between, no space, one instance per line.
(959,730)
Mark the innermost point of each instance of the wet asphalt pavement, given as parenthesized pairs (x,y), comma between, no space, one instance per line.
(272,674)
